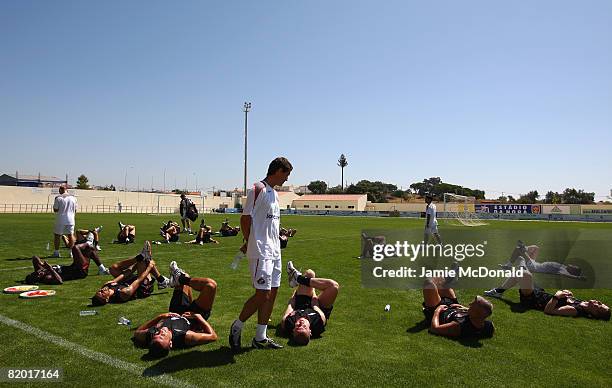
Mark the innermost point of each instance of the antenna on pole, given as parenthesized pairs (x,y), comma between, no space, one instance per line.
(246,108)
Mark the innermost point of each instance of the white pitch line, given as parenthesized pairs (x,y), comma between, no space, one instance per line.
(93,355)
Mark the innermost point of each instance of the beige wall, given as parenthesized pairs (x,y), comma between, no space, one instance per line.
(285,199)
(358,204)
(409,207)
(218,202)
(91,200)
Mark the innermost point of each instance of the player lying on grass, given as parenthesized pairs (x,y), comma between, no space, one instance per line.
(525,256)
(449,318)
(307,313)
(185,324)
(284,235)
(367,250)
(57,274)
(133,278)
(127,234)
(562,302)
(204,235)
(227,230)
(170,231)
(81,237)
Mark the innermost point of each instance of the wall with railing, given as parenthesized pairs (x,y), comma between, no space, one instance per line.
(40,200)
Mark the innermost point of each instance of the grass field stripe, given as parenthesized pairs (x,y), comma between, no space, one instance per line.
(93,355)
(12,269)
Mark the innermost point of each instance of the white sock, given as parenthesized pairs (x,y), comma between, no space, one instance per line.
(102,267)
(260,333)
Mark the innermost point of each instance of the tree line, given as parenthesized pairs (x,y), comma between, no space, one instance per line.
(382,192)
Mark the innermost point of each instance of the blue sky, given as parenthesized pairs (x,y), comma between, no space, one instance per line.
(501,96)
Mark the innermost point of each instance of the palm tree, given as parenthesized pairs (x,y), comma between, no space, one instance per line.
(342,162)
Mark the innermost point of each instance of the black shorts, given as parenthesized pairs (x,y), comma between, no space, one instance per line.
(180,304)
(174,238)
(303,302)
(537,300)
(70,272)
(206,238)
(121,239)
(229,233)
(144,290)
(429,311)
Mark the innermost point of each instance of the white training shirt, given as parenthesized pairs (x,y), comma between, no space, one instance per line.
(431,211)
(66,206)
(264,241)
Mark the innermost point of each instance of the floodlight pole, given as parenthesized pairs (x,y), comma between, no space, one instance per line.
(246,108)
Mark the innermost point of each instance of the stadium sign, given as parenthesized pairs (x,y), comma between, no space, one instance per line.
(556,209)
(596,211)
(508,209)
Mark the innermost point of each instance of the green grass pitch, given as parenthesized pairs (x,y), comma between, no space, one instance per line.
(363,344)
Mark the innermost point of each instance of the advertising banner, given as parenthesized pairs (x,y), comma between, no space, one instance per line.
(508,208)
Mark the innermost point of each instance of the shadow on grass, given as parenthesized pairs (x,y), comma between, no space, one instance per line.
(472,342)
(514,306)
(20,259)
(418,327)
(191,360)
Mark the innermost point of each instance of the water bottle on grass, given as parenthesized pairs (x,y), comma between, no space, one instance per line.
(239,256)
(124,321)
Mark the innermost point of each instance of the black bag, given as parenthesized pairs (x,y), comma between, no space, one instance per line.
(192,212)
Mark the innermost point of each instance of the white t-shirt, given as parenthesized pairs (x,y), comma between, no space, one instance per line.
(431,211)
(264,241)
(66,206)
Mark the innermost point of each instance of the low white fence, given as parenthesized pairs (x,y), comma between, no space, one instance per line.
(48,208)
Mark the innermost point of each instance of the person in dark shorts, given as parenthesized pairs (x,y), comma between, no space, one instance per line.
(561,302)
(170,231)
(307,313)
(81,236)
(368,243)
(134,279)
(204,236)
(186,323)
(46,273)
(449,318)
(227,230)
(127,234)
(284,235)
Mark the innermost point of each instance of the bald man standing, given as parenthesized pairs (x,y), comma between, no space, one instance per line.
(64,207)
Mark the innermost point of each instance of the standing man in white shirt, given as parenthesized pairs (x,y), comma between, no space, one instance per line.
(260,225)
(65,207)
(431,225)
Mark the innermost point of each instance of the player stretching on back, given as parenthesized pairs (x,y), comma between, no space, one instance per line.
(307,313)
(431,225)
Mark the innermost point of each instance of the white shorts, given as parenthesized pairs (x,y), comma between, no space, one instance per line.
(265,273)
(63,229)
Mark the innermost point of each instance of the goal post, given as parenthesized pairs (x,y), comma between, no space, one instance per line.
(461,209)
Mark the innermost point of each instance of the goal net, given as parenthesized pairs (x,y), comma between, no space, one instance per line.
(460,210)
